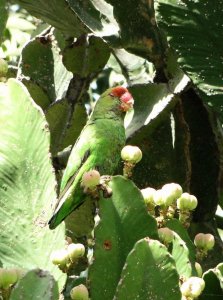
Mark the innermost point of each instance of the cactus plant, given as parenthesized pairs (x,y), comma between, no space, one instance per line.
(113,235)
(148,266)
(133,234)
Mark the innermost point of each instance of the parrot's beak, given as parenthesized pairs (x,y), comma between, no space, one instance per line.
(126,101)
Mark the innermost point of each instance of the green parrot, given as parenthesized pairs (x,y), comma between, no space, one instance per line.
(98,147)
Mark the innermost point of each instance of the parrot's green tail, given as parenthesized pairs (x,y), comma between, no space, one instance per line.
(65,210)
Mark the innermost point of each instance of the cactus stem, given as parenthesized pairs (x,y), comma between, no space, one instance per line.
(127,169)
(201,254)
(185,218)
(171,211)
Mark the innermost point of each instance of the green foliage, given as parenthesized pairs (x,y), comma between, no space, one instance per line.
(56,13)
(86,56)
(178,228)
(169,54)
(38,282)
(181,253)
(41,63)
(213,283)
(25,166)
(148,267)
(191,20)
(114,235)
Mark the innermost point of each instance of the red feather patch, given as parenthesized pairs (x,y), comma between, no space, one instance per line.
(118,91)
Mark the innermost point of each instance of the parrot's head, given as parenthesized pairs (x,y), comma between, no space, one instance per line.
(124,97)
(114,102)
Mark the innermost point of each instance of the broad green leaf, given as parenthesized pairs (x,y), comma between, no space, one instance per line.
(123,221)
(87,12)
(133,67)
(194,30)
(27,184)
(36,284)
(57,13)
(3,18)
(97,15)
(138,29)
(149,273)
(152,104)
(42,63)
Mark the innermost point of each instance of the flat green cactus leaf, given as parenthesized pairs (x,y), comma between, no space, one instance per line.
(123,221)
(86,56)
(42,64)
(213,284)
(4,16)
(65,122)
(149,273)
(36,284)
(180,254)
(178,228)
(56,13)
(27,184)
(37,93)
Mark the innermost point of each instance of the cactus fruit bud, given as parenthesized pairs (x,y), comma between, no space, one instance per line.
(166,235)
(158,197)
(90,179)
(204,241)
(75,251)
(171,191)
(198,269)
(192,287)
(131,154)
(7,277)
(3,67)
(79,292)
(187,202)
(148,195)
(59,257)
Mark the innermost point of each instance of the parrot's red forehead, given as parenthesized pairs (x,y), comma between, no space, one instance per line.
(118,91)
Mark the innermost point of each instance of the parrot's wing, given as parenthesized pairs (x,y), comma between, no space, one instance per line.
(67,202)
(71,179)
(79,154)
